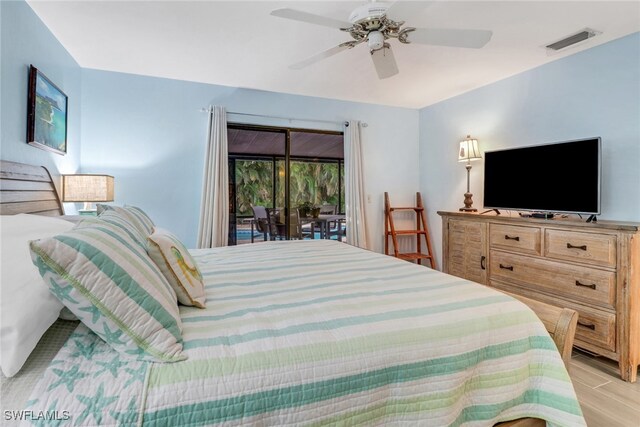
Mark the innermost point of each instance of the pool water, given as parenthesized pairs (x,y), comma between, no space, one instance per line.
(245,234)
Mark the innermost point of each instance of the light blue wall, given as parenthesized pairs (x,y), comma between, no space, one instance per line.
(593,93)
(26,40)
(149,133)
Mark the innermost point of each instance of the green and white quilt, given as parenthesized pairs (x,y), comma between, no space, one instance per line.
(321,333)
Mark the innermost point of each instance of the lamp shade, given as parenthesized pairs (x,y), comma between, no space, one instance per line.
(469,150)
(87,188)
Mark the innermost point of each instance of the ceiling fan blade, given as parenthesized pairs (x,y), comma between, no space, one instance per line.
(448,37)
(310,18)
(384,62)
(403,10)
(323,55)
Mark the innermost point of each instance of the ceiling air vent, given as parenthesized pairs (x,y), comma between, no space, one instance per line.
(583,35)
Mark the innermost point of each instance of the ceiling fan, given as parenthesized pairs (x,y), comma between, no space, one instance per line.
(375,23)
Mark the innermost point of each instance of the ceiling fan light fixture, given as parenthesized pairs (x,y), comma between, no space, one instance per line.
(375,40)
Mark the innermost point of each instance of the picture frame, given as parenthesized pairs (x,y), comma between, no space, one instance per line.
(47,113)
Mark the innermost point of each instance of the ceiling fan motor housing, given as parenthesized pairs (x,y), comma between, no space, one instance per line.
(368,12)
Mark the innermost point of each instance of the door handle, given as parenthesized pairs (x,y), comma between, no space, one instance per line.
(483,262)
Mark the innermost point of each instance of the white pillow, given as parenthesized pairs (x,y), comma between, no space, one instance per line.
(27,308)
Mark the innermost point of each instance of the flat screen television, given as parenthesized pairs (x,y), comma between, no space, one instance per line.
(562,177)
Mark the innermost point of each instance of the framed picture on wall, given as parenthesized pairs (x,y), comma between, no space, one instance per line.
(46,114)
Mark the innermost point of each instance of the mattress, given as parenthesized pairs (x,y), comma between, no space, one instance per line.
(321,333)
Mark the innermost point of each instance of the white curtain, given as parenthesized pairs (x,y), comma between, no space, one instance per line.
(354,187)
(214,211)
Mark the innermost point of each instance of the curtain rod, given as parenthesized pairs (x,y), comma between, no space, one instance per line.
(207,110)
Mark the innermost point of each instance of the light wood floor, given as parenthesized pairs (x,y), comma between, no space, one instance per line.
(606,400)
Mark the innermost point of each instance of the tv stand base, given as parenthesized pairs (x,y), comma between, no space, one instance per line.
(490,210)
(592,218)
(542,215)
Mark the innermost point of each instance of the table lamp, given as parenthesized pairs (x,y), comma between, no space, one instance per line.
(87,188)
(468,152)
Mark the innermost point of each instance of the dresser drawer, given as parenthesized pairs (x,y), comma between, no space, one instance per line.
(595,327)
(596,249)
(514,237)
(584,284)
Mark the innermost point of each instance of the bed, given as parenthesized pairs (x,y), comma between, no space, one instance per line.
(322,333)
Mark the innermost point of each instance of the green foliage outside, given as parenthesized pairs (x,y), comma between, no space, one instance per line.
(310,182)
(253,185)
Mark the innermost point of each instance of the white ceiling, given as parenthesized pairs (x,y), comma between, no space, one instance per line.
(237,43)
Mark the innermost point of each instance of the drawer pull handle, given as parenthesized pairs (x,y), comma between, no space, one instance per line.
(507,237)
(483,262)
(506,267)
(592,286)
(570,246)
(587,325)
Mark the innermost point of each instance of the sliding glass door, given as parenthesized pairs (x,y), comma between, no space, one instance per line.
(281,168)
(317,182)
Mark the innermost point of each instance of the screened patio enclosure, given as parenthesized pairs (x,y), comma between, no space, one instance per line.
(282,168)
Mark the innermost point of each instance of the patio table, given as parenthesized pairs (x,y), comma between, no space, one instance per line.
(324,223)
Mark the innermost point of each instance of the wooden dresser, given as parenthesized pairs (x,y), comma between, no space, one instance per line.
(593,268)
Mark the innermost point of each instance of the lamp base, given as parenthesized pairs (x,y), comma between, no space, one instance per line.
(468,203)
(88,210)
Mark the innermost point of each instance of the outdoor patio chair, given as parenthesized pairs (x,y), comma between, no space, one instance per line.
(328,209)
(297,230)
(277,226)
(275,223)
(260,220)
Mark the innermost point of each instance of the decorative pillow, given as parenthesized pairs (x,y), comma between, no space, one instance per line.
(134,215)
(100,207)
(142,217)
(109,282)
(177,265)
(123,222)
(27,308)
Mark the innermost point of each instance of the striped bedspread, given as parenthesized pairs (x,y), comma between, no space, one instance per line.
(321,333)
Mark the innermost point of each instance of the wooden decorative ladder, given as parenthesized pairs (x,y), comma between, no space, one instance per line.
(420,230)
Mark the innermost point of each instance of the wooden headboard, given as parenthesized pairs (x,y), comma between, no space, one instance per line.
(27,189)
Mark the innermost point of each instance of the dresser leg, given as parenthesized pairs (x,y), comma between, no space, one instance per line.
(628,371)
